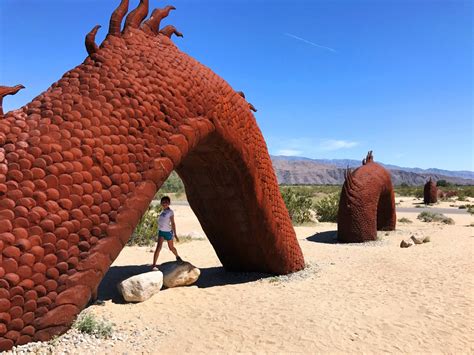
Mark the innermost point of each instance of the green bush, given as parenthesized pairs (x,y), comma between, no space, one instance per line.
(462,196)
(406,190)
(86,323)
(327,208)
(470,209)
(427,216)
(173,184)
(442,183)
(298,204)
(405,220)
(147,229)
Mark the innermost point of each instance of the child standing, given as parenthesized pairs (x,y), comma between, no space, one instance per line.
(166,230)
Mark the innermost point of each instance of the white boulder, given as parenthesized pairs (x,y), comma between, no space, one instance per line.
(141,287)
(179,273)
(417,239)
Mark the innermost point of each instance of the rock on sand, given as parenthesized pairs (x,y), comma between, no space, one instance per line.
(179,274)
(141,287)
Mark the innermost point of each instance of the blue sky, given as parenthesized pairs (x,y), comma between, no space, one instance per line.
(330,79)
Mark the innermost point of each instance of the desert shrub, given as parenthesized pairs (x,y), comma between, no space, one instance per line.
(408,191)
(462,196)
(418,193)
(173,184)
(326,208)
(468,191)
(405,220)
(428,216)
(442,183)
(470,209)
(298,204)
(147,229)
(87,323)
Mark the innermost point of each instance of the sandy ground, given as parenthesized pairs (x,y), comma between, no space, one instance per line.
(365,298)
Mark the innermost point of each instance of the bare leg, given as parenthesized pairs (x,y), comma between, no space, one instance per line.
(157,250)
(173,249)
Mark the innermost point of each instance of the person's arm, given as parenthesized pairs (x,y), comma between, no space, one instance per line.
(173,227)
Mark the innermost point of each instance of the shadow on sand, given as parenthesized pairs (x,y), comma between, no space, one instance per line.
(210,277)
(329,237)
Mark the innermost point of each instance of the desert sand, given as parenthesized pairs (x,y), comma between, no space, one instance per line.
(370,298)
(352,298)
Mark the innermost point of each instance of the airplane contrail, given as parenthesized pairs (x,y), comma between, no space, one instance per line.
(311,43)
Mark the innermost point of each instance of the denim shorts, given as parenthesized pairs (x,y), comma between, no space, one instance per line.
(165,235)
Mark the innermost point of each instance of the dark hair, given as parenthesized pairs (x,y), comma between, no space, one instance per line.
(165,198)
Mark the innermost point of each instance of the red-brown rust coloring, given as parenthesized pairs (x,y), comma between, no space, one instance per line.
(80,164)
(430,192)
(8,90)
(367,203)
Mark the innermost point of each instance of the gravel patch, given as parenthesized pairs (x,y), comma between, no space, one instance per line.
(73,342)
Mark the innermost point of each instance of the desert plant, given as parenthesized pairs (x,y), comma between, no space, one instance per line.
(462,196)
(298,204)
(442,183)
(147,229)
(406,190)
(173,184)
(326,208)
(428,216)
(405,220)
(470,209)
(87,323)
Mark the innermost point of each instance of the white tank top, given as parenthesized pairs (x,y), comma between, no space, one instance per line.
(164,221)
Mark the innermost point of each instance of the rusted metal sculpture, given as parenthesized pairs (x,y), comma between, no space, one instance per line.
(430,192)
(80,164)
(8,90)
(367,203)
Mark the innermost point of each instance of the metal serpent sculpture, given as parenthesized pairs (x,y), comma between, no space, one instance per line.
(430,192)
(367,203)
(80,164)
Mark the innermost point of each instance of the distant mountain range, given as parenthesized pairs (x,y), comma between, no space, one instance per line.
(298,170)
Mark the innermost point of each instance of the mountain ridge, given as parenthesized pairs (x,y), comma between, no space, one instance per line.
(301,170)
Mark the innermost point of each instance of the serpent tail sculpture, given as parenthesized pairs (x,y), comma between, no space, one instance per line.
(367,203)
(430,192)
(80,164)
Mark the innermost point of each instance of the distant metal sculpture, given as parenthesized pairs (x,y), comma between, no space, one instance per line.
(80,164)
(430,192)
(367,203)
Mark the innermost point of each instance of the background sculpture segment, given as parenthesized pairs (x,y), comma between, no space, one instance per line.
(430,192)
(80,164)
(367,203)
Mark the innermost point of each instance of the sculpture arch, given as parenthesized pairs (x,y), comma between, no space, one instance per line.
(367,203)
(80,164)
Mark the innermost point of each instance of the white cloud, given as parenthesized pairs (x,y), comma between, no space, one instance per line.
(333,144)
(289,152)
(307,147)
